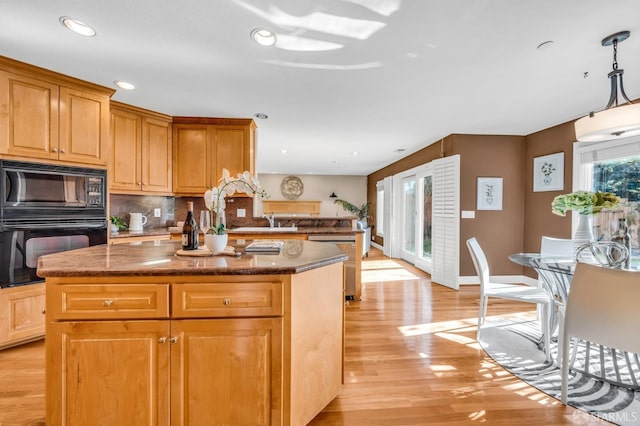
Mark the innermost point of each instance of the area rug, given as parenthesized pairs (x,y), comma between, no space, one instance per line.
(513,343)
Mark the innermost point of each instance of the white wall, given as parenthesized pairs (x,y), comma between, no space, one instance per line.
(318,188)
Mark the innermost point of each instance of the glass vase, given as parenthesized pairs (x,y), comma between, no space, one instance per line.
(584,231)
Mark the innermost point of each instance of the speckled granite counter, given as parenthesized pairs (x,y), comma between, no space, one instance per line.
(170,334)
(159,258)
(301,230)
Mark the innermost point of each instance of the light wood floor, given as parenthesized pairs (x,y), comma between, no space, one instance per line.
(411,359)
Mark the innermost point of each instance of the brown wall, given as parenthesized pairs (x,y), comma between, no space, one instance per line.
(499,232)
(538,218)
(525,216)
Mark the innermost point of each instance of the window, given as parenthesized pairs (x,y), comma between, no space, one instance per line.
(380,208)
(612,167)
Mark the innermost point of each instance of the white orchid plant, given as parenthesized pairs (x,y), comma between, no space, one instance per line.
(228,185)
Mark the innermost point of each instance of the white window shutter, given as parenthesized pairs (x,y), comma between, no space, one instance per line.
(446,221)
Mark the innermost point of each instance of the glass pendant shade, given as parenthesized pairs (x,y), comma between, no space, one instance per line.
(619,122)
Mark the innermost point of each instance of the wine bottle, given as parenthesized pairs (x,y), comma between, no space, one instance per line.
(190,230)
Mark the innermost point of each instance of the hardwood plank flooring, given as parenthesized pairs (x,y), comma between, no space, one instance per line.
(411,359)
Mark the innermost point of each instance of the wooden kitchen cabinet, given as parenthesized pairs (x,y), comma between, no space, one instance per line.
(22,315)
(48,116)
(202,147)
(141,151)
(119,352)
(291,208)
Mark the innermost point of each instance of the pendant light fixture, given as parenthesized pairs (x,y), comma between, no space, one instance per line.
(616,119)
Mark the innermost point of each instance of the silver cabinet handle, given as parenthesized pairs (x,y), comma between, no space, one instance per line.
(107,302)
(163,339)
(62,151)
(173,339)
(226,301)
(54,150)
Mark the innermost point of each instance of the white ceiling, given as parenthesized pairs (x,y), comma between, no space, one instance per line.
(403,74)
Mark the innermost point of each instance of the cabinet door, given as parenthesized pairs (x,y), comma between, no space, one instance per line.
(226,371)
(21,314)
(126,148)
(28,117)
(231,150)
(156,155)
(84,126)
(191,165)
(108,373)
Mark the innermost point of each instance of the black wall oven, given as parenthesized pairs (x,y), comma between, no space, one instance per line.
(47,209)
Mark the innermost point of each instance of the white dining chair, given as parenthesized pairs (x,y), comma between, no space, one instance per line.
(551,246)
(554,247)
(522,293)
(602,308)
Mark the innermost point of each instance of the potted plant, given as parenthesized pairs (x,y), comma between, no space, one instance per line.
(215,237)
(362,212)
(117,224)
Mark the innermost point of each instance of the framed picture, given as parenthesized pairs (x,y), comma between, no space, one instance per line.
(489,193)
(548,172)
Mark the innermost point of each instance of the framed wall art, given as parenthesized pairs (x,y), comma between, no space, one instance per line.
(548,172)
(489,193)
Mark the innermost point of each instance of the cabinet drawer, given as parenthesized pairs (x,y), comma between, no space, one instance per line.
(108,301)
(213,300)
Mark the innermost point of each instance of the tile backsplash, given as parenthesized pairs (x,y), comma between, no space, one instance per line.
(174,209)
(122,205)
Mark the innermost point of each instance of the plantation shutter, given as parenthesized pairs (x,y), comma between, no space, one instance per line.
(446,221)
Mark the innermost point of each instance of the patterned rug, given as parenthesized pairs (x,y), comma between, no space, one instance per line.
(513,343)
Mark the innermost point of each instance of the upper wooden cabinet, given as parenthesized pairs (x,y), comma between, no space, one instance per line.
(48,116)
(202,147)
(140,151)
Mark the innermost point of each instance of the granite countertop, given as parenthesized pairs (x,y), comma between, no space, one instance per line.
(144,233)
(160,258)
(300,230)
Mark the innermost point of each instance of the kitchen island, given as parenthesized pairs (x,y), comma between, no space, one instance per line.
(138,335)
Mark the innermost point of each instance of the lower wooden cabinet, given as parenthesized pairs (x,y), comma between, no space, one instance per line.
(194,350)
(185,372)
(22,315)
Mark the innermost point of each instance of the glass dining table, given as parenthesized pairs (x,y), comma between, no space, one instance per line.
(607,364)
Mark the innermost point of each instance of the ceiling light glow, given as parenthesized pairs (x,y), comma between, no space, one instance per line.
(77,26)
(124,85)
(263,37)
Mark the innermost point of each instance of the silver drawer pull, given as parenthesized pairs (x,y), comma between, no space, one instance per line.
(226,301)
(173,339)
(163,339)
(107,302)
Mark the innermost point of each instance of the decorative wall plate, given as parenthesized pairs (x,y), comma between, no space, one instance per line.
(291,187)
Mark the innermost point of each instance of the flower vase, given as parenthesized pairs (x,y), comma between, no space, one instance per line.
(584,231)
(216,243)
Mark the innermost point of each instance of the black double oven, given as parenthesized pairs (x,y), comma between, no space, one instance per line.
(46,209)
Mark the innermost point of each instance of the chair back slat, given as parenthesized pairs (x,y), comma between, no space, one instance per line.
(550,246)
(479,261)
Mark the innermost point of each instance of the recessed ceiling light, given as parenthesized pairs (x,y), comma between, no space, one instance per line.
(77,26)
(284,151)
(261,115)
(355,153)
(400,150)
(124,85)
(263,37)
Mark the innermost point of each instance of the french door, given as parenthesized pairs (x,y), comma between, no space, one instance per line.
(424,219)
(415,213)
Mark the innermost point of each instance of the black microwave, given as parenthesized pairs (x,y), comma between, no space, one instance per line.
(37,192)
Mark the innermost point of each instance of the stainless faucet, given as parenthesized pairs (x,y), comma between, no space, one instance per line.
(270,219)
